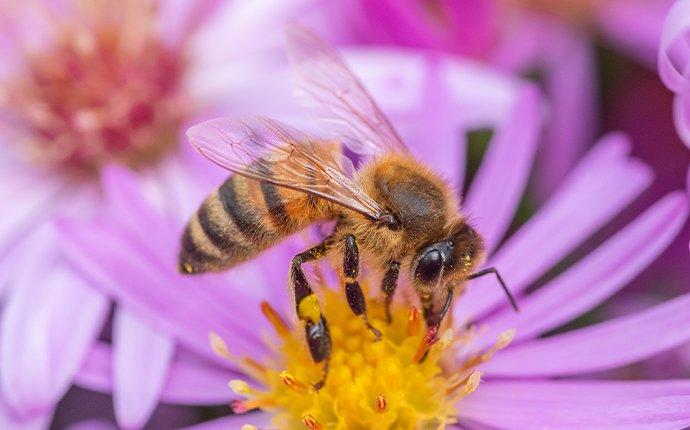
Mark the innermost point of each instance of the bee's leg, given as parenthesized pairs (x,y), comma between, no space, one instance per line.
(355,297)
(308,309)
(434,320)
(388,286)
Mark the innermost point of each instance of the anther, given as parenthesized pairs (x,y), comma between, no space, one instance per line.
(239,406)
(274,318)
(249,427)
(240,387)
(292,382)
(413,321)
(310,422)
(446,339)
(218,345)
(381,403)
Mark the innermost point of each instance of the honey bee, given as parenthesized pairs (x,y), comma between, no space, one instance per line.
(394,212)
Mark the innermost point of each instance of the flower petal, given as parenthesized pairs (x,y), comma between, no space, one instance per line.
(190,381)
(674,51)
(603,346)
(11,421)
(596,190)
(617,17)
(141,361)
(47,327)
(596,277)
(498,185)
(178,19)
(581,404)
(258,419)
(681,116)
(570,83)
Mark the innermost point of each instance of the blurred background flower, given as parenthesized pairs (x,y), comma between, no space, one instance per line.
(83,85)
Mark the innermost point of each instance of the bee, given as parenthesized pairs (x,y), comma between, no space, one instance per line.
(394,212)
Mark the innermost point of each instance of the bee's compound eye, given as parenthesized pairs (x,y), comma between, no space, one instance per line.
(429,266)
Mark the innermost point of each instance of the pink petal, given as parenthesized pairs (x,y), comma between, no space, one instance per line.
(617,17)
(184,307)
(498,185)
(47,327)
(33,200)
(681,116)
(604,182)
(258,419)
(570,83)
(674,51)
(608,345)
(598,276)
(190,381)
(178,19)
(579,405)
(11,421)
(433,131)
(141,361)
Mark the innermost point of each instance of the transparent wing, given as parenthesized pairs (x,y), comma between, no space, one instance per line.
(267,150)
(332,93)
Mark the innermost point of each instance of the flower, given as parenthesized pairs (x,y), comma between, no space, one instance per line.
(542,38)
(494,368)
(673,64)
(84,85)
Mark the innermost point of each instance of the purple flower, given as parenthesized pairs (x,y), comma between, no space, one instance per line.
(84,85)
(530,36)
(674,58)
(490,368)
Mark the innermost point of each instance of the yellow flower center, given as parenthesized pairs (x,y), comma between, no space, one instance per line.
(404,381)
(102,89)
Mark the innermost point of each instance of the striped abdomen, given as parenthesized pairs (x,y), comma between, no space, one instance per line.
(242,218)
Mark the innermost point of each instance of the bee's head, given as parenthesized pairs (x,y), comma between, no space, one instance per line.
(448,261)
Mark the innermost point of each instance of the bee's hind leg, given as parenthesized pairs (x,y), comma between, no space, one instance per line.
(355,297)
(308,309)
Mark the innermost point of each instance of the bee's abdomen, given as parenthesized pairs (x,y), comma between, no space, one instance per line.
(239,220)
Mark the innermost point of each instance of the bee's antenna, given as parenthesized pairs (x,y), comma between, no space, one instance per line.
(493,270)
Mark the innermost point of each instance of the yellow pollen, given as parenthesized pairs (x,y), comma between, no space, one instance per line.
(308,308)
(249,427)
(410,379)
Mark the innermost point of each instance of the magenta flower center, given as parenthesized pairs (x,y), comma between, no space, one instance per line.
(97,95)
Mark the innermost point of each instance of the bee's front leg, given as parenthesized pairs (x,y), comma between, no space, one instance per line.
(309,311)
(355,297)
(389,285)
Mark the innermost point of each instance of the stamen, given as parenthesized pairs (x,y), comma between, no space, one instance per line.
(413,321)
(239,406)
(219,347)
(274,318)
(249,427)
(291,382)
(311,422)
(240,387)
(381,403)
(446,339)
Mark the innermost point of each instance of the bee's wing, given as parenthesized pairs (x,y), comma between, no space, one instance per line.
(267,150)
(334,95)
